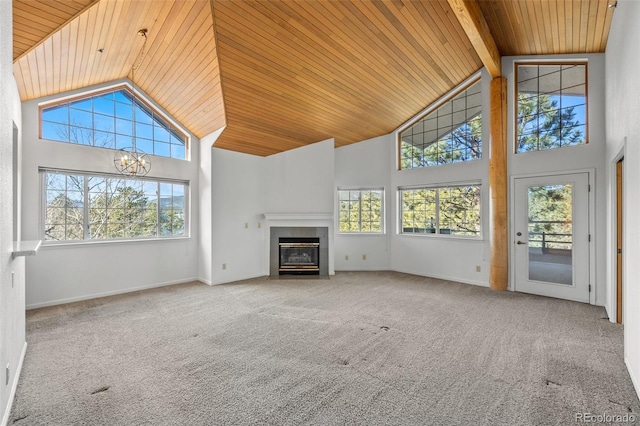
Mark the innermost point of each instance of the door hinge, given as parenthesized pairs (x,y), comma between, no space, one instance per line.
(619,251)
(589,190)
(589,288)
(589,237)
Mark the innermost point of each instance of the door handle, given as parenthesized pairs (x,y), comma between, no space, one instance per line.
(520,242)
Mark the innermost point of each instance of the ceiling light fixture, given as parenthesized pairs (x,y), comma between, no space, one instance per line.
(131,161)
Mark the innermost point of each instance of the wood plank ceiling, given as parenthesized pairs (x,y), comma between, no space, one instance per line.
(281,74)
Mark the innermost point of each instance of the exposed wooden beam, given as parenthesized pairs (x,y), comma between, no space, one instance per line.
(475,26)
(498,231)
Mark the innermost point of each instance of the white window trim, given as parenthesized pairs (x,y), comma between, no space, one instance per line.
(438,235)
(383,221)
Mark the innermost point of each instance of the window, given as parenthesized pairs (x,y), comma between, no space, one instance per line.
(80,206)
(453,210)
(360,210)
(450,134)
(551,106)
(111,120)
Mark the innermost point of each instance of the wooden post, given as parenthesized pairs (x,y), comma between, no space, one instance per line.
(498,231)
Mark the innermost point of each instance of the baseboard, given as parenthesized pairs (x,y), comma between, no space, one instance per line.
(634,378)
(205,281)
(362,269)
(108,293)
(234,280)
(14,386)
(442,277)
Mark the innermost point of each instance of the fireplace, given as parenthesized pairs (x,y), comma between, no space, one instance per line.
(299,256)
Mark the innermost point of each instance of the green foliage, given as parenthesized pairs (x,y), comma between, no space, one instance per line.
(543,125)
(463,143)
(360,211)
(550,215)
(453,210)
(125,213)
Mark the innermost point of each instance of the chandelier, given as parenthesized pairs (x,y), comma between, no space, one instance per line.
(131,161)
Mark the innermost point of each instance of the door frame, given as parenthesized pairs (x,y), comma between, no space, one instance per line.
(613,273)
(591,173)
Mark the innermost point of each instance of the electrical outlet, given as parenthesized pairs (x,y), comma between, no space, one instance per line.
(224,266)
(7,374)
(246,225)
(346,257)
(259,225)
(477,268)
(364,257)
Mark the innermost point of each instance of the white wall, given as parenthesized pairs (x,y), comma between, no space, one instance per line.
(64,273)
(364,165)
(12,293)
(301,180)
(239,186)
(585,157)
(443,257)
(205,189)
(623,109)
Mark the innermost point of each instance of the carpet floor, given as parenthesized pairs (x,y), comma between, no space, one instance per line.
(361,348)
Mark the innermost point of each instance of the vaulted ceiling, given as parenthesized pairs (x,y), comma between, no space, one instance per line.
(281,74)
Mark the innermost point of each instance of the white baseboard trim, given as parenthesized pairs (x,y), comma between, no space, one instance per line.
(205,281)
(634,378)
(108,293)
(234,280)
(442,277)
(363,270)
(14,386)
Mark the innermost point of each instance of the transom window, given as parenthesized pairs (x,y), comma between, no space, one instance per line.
(450,134)
(551,108)
(111,120)
(360,210)
(451,210)
(80,206)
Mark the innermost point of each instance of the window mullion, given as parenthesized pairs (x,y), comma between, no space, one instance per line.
(158,210)
(360,211)
(437,224)
(85,210)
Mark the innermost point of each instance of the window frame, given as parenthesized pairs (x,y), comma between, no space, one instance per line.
(516,64)
(437,187)
(137,94)
(382,208)
(476,78)
(42,214)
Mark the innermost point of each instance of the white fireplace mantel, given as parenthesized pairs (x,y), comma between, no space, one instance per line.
(297,217)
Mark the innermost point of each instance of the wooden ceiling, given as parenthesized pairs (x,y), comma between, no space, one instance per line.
(281,74)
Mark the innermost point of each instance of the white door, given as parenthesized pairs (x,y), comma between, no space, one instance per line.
(551,236)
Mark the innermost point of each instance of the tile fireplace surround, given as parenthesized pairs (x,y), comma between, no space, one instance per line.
(304,225)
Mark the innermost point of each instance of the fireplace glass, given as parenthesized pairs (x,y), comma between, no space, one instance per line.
(299,256)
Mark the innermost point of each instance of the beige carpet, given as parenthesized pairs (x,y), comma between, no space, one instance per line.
(359,348)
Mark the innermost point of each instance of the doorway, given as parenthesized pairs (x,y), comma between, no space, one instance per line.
(619,228)
(551,236)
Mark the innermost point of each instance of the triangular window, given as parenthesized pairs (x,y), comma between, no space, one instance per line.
(451,133)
